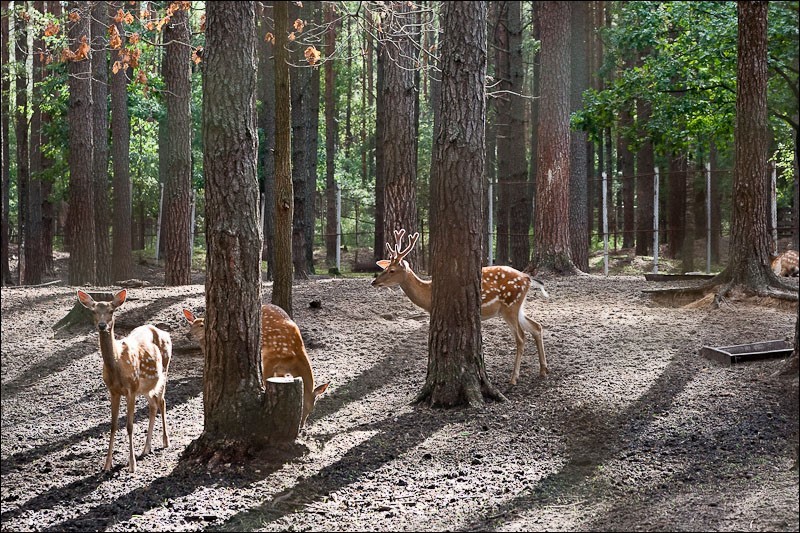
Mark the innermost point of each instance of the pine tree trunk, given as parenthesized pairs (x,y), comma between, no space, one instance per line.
(456,370)
(5,111)
(284,195)
(398,139)
(102,208)
(645,163)
(122,258)
(266,121)
(81,186)
(177,208)
(552,249)
(22,135)
(232,390)
(300,107)
(579,174)
(331,135)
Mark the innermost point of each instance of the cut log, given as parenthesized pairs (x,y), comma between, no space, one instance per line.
(284,403)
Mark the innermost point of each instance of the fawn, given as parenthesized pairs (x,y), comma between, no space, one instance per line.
(503,291)
(785,264)
(134,366)
(282,351)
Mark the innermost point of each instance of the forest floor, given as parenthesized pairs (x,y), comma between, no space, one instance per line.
(633,430)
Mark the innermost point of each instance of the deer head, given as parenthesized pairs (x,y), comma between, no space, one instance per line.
(396,267)
(103,312)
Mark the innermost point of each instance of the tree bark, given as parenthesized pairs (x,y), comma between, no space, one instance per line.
(398,134)
(81,187)
(4,114)
(579,165)
(22,133)
(232,390)
(456,370)
(177,209)
(122,258)
(645,164)
(552,249)
(284,195)
(266,121)
(330,140)
(102,208)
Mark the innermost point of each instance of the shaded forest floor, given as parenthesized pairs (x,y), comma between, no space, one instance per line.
(632,430)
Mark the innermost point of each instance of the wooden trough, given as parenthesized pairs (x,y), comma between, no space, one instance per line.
(677,277)
(741,353)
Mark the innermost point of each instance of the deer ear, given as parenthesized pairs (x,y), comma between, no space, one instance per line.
(119,298)
(383,263)
(189,316)
(86,300)
(321,389)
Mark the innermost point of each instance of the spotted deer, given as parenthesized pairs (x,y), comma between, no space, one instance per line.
(786,264)
(282,351)
(503,292)
(136,365)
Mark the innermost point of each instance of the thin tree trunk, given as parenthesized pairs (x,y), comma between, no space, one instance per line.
(284,195)
(266,120)
(22,135)
(102,208)
(5,112)
(330,139)
(122,259)
(645,163)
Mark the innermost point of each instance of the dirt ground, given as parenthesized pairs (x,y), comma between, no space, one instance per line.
(633,430)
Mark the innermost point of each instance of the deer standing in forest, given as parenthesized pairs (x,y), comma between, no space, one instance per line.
(786,264)
(282,351)
(136,365)
(503,292)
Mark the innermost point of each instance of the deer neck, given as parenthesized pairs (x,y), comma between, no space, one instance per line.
(109,350)
(417,290)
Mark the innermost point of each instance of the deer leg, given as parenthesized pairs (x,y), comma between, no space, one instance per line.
(164,419)
(115,398)
(153,404)
(511,317)
(131,405)
(536,331)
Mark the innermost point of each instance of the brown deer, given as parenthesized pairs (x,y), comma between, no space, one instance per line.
(282,351)
(136,365)
(503,292)
(785,264)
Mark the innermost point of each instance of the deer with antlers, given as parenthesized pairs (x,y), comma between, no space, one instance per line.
(134,366)
(503,292)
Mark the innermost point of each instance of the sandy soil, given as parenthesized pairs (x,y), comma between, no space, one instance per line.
(632,430)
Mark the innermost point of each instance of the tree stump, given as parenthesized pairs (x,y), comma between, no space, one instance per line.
(283,400)
(79,315)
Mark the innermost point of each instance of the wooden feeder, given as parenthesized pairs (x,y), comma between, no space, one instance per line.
(741,353)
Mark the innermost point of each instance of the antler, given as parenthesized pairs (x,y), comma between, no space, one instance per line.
(397,254)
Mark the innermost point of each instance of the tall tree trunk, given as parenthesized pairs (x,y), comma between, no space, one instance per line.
(499,157)
(5,111)
(81,186)
(102,208)
(49,218)
(177,209)
(122,258)
(579,165)
(22,133)
(380,180)
(676,205)
(234,414)
(552,249)
(456,370)
(331,134)
(284,195)
(312,149)
(266,121)
(627,168)
(34,253)
(398,137)
(511,138)
(716,205)
(645,163)
(536,34)
(300,107)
